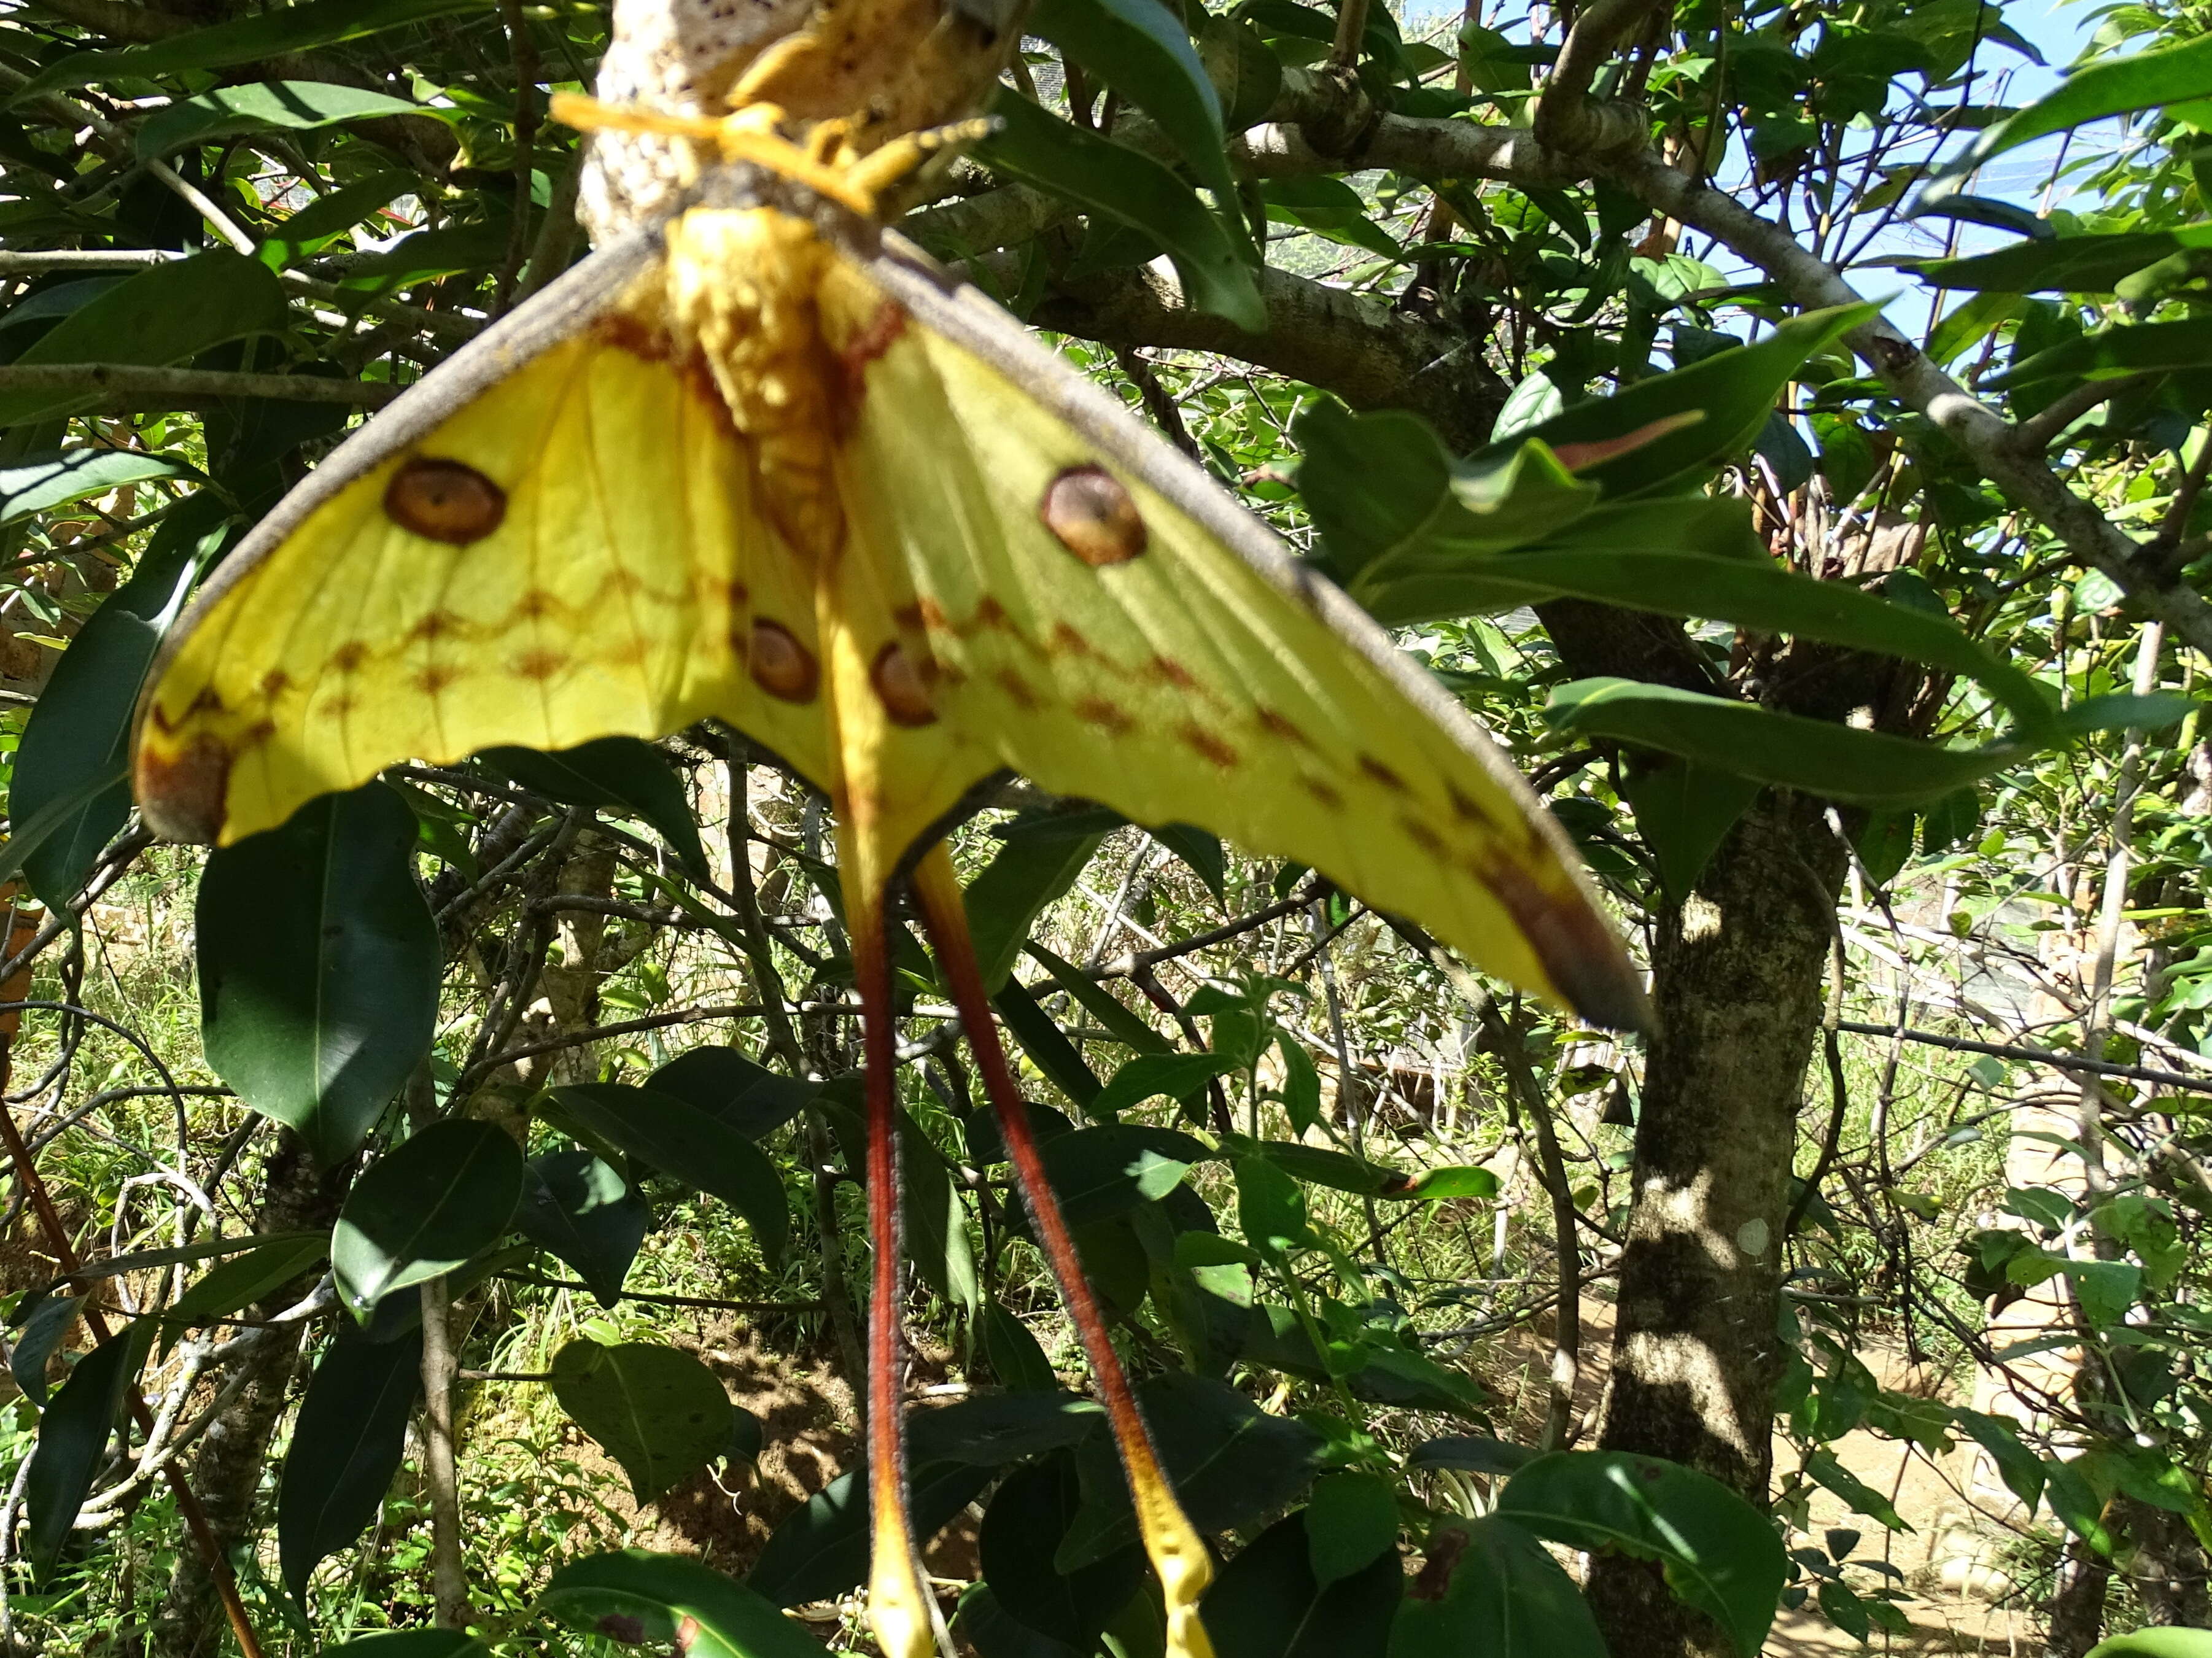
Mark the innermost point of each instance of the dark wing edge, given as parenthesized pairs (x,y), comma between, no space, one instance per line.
(1583,955)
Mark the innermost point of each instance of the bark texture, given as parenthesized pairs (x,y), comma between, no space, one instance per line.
(296,1196)
(1738,975)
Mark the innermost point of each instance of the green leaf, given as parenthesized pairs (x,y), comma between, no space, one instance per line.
(262,106)
(40,483)
(633,1595)
(1270,1207)
(1028,1517)
(1489,1586)
(2142,80)
(1098,1002)
(1247,77)
(1052,1054)
(1731,393)
(1352,1519)
(1097,1173)
(2063,265)
(346,1446)
(1720,1554)
(736,1089)
(583,1210)
(272,33)
(1859,1496)
(1840,762)
(1301,1083)
(1178,1076)
(1473,1453)
(319,966)
(161,315)
(2125,348)
(687,1144)
(995,1632)
(1230,1462)
(2079,1508)
(992,1429)
(2156,1644)
(73,1434)
(821,1550)
(1683,813)
(1328,207)
(1143,51)
(1013,1353)
(1317,1165)
(1200,852)
(656,1410)
(46,1321)
(1039,150)
(1033,866)
(423,1208)
(620,774)
(451,250)
(1269,1602)
(2020,1468)
(2107,1288)
(81,728)
(1451,1180)
(245,1279)
(327,218)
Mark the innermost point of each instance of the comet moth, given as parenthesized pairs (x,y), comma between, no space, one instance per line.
(757,458)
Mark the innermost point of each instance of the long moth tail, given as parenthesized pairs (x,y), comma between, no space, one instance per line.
(1178,1554)
(900,1609)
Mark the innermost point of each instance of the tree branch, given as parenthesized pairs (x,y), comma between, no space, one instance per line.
(127,388)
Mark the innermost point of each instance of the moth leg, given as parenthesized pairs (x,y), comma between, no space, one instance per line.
(746,135)
(878,171)
(900,1609)
(1178,1554)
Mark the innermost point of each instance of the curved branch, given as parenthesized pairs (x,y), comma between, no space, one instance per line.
(126,388)
(1348,343)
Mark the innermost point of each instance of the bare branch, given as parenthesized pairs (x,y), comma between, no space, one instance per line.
(127,387)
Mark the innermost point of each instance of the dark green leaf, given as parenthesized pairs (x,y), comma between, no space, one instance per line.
(995,1632)
(583,1210)
(1143,51)
(1050,1052)
(73,1434)
(264,34)
(328,217)
(409,1643)
(1028,1517)
(1268,1603)
(2071,265)
(619,774)
(260,107)
(164,315)
(1270,1207)
(1489,1586)
(1229,1461)
(2141,80)
(245,1280)
(81,728)
(40,483)
(1720,1554)
(1098,1002)
(1097,1173)
(743,1093)
(1317,1165)
(1013,1353)
(1039,150)
(2020,1468)
(2125,349)
(1328,207)
(686,1144)
(1472,1453)
(1683,813)
(319,966)
(1352,1519)
(992,1429)
(423,1208)
(822,1551)
(1838,762)
(1200,852)
(346,1446)
(1028,872)
(44,1326)
(656,1410)
(633,1595)
(1178,1076)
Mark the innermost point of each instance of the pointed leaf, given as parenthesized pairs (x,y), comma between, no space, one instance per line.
(633,1595)
(1267,1602)
(1490,1587)
(423,1208)
(687,1144)
(73,1434)
(583,1210)
(655,1409)
(319,966)
(346,1446)
(619,774)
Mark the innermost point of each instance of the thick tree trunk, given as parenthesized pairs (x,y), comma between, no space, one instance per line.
(1738,973)
(227,1471)
(2077,1611)
(2168,1570)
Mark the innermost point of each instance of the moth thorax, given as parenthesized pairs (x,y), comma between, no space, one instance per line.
(741,286)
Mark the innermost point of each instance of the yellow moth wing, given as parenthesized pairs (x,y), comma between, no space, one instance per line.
(598,569)
(1152,647)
